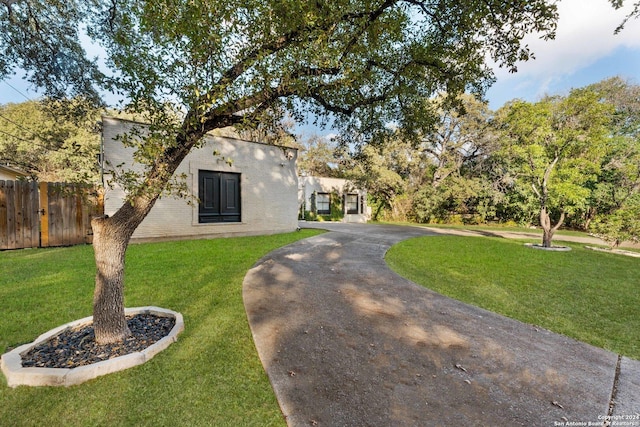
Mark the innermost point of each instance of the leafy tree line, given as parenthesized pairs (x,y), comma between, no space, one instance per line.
(461,168)
(50,145)
(569,160)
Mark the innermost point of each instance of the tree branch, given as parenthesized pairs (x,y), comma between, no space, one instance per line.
(547,172)
(8,4)
(371,18)
(535,190)
(560,221)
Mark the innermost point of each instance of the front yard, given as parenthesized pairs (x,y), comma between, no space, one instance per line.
(211,376)
(591,296)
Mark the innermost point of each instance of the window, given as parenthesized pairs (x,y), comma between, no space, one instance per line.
(219,194)
(351,203)
(323,203)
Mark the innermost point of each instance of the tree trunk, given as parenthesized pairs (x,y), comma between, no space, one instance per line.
(591,214)
(547,230)
(109,246)
(378,210)
(110,241)
(547,237)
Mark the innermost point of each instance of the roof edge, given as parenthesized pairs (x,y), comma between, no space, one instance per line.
(207,134)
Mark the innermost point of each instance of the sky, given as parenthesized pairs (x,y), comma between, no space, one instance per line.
(584,51)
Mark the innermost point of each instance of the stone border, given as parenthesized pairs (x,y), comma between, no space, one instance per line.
(552,248)
(16,375)
(615,251)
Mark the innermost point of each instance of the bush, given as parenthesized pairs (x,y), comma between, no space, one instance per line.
(619,226)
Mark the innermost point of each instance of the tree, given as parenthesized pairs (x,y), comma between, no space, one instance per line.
(460,138)
(195,66)
(383,170)
(633,14)
(616,194)
(622,225)
(557,144)
(454,151)
(317,157)
(36,137)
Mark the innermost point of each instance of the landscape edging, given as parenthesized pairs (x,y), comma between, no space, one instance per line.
(16,374)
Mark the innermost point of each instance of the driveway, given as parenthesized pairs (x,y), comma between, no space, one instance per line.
(347,342)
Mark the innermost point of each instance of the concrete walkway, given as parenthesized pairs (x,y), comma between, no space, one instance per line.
(347,342)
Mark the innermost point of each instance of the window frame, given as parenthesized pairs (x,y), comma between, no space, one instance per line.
(354,203)
(326,211)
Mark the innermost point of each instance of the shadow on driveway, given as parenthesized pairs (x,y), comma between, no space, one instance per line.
(347,342)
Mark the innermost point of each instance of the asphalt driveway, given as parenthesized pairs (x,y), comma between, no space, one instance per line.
(347,342)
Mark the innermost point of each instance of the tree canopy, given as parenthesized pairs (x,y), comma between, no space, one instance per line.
(40,140)
(569,160)
(43,38)
(615,198)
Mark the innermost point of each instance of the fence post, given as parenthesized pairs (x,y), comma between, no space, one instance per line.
(44,217)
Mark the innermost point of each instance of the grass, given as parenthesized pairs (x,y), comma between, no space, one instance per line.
(591,296)
(211,376)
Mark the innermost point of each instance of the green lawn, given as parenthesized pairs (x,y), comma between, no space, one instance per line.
(591,296)
(211,376)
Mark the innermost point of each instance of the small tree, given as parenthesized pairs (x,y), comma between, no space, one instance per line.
(557,145)
(623,225)
(195,66)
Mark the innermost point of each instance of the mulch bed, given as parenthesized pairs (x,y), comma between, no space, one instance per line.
(77,347)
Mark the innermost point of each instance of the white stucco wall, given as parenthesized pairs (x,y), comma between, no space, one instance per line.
(268,187)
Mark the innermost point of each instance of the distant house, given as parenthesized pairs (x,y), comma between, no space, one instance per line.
(324,196)
(237,187)
(7,173)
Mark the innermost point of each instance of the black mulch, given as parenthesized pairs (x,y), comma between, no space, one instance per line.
(78,347)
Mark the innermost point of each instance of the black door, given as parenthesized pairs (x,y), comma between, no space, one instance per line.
(219,194)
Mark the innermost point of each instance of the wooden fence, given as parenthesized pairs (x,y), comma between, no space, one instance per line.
(46,214)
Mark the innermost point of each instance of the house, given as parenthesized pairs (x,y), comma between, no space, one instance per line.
(7,173)
(332,197)
(235,187)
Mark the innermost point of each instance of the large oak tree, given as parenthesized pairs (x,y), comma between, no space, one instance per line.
(192,66)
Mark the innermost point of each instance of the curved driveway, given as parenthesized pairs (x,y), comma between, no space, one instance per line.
(347,342)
